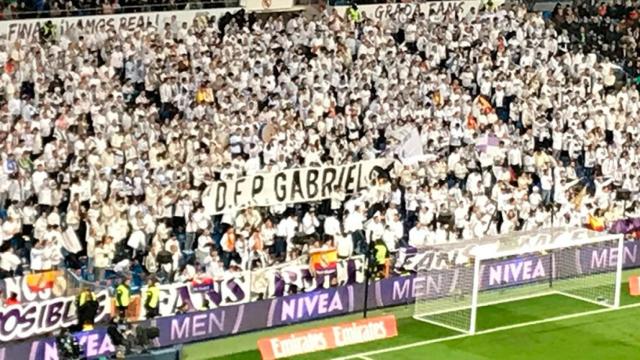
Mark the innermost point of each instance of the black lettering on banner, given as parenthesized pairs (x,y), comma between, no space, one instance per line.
(32,30)
(403,12)
(142,20)
(53,315)
(328,176)
(12,31)
(9,325)
(341,177)
(359,180)
(256,187)
(280,186)
(100,23)
(312,183)
(381,12)
(21,31)
(29,320)
(123,22)
(349,181)
(42,316)
(93,25)
(406,11)
(110,24)
(89,25)
(296,186)
(68,314)
(221,196)
(64,26)
(131,22)
(237,192)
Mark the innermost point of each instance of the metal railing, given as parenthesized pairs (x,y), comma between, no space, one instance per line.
(75,283)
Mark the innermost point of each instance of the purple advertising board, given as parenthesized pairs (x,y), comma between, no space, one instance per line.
(94,343)
(235,319)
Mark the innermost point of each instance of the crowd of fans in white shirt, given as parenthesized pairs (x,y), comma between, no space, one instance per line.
(110,138)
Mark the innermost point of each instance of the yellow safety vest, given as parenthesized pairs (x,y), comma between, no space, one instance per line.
(381,254)
(354,15)
(122,295)
(84,297)
(153,296)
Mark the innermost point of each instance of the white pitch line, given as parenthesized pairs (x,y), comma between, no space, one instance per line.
(428,321)
(583,299)
(495,302)
(489,331)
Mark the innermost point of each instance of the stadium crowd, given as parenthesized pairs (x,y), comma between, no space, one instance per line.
(609,29)
(109,139)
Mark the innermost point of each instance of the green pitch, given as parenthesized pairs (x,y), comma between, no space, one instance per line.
(602,336)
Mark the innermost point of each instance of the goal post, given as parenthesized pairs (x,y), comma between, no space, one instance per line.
(534,281)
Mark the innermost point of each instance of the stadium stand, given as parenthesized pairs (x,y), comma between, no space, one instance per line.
(472,123)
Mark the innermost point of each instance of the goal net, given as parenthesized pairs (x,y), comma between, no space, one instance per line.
(522,278)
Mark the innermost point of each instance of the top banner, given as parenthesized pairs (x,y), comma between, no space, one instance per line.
(404,12)
(290,186)
(29,30)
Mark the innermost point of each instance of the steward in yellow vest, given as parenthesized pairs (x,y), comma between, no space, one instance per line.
(123,298)
(354,14)
(86,307)
(152,299)
(382,253)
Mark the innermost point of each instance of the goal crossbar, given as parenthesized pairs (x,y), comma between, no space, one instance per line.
(547,247)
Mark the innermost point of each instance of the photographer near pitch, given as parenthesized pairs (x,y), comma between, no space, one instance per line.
(68,346)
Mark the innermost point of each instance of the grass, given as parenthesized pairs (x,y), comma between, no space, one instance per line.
(612,335)
(608,335)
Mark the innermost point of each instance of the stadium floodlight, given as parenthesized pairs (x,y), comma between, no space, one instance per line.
(578,266)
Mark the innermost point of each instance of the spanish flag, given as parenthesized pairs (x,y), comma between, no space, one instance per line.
(596,223)
(41,281)
(436,97)
(472,123)
(201,284)
(323,260)
(484,104)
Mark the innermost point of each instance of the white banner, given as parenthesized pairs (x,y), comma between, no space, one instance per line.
(445,256)
(232,290)
(290,186)
(406,11)
(28,30)
(410,149)
(41,317)
(411,259)
(290,279)
(236,288)
(269,5)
